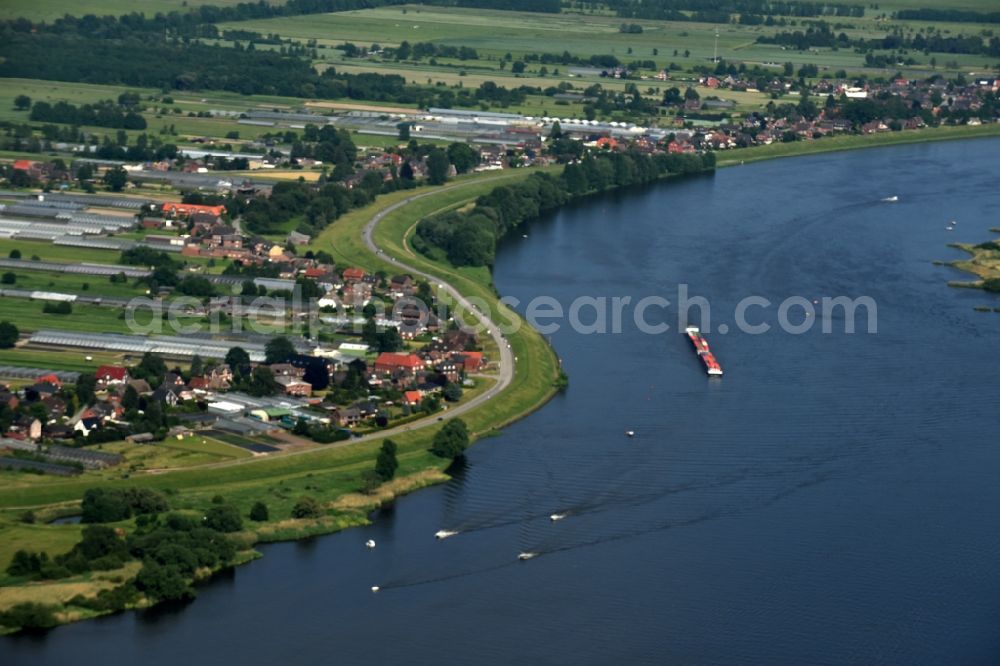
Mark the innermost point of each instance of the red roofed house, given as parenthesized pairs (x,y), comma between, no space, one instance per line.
(111,374)
(607,143)
(22,165)
(471,360)
(353,275)
(186,210)
(388,363)
(49,379)
(315,273)
(198,384)
(412,398)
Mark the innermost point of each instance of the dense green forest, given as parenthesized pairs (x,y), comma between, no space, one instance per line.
(470,238)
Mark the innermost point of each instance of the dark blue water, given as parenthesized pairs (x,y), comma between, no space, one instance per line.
(832,499)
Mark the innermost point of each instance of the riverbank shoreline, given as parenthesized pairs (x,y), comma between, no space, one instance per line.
(837,144)
(303,531)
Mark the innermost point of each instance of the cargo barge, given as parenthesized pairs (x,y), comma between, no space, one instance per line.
(712,366)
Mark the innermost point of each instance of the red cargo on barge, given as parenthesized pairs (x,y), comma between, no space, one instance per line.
(712,366)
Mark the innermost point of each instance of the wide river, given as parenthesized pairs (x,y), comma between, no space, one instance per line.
(832,499)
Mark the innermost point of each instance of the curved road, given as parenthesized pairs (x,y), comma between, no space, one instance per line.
(506,361)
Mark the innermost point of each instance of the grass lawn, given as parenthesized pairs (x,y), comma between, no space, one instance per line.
(63,254)
(15,536)
(58,359)
(28,316)
(93,285)
(174,453)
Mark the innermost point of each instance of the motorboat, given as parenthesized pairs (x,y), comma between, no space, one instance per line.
(630,433)
(444,534)
(375,588)
(526,555)
(370,543)
(557,516)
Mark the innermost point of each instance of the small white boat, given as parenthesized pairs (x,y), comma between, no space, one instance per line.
(557,516)
(630,433)
(370,543)
(891,199)
(375,588)
(526,555)
(444,534)
(524,235)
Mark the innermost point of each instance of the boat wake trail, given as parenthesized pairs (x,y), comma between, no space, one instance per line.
(618,499)
(548,548)
(404,583)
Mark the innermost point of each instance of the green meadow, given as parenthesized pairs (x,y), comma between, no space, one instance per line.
(47,10)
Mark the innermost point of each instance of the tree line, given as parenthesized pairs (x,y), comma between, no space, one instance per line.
(820,34)
(318,205)
(101,114)
(199,21)
(149,61)
(947,15)
(470,238)
(722,11)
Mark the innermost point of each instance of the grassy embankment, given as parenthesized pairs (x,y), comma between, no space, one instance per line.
(853,142)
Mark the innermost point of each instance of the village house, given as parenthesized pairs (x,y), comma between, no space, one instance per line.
(450,369)
(174,209)
(401,285)
(110,375)
(295,386)
(390,363)
(140,386)
(472,361)
(166,395)
(26,426)
(85,426)
(352,274)
(286,370)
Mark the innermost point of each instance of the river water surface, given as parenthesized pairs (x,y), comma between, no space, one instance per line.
(832,499)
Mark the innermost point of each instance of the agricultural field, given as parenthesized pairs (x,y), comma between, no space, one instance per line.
(496,33)
(47,10)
